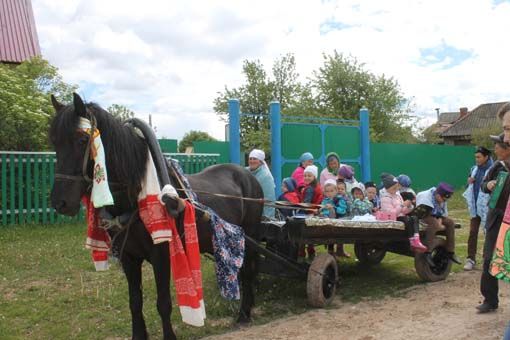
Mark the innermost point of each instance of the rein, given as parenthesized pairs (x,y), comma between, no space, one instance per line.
(276,204)
(86,157)
(84,176)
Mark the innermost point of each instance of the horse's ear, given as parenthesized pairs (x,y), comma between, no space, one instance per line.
(56,104)
(79,106)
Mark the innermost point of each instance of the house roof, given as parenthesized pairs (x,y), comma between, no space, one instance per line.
(18,36)
(448,117)
(482,117)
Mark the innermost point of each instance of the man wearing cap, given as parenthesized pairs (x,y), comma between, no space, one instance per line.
(488,283)
(258,168)
(477,201)
(305,160)
(432,209)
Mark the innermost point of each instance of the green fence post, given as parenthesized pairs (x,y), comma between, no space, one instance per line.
(21,214)
(37,193)
(29,189)
(51,179)
(12,187)
(4,189)
(44,188)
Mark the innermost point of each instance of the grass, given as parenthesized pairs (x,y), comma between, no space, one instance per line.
(49,289)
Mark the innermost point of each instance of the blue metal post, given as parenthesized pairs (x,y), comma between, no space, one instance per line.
(365,144)
(234,131)
(276,144)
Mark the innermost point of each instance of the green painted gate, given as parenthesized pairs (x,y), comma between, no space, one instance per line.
(319,139)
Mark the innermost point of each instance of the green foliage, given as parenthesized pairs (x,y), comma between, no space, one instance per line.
(25,106)
(343,86)
(193,136)
(338,89)
(120,111)
(256,94)
(480,137)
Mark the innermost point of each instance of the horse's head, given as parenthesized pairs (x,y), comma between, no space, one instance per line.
(72,146)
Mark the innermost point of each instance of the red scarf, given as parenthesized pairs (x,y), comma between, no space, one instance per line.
(185,263)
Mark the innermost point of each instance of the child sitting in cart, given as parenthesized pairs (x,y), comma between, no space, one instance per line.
(395,207)
(361,205)
(346,173)
(334,205)
(289,194)
(310,193)
(342,191)
(371,191)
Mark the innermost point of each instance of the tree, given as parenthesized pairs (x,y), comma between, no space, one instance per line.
(120,111)
(194,136)
(343,86)
(338,89)
(480,137)
(25,107)
(256,94)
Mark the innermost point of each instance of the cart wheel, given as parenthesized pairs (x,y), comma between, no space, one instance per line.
(440,258)
(369,253)
(322,279)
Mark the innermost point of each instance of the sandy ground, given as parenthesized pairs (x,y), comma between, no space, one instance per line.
(443,310)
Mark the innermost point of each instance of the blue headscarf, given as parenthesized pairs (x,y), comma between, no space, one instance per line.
(290,183)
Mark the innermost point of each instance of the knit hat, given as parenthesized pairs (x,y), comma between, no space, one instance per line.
(483,150)
(330,182)
(346,171)
(307,156)
(444,189)
(370,185)
(290,183)
(404,181)
(258,154)
(312,169)
(388,180)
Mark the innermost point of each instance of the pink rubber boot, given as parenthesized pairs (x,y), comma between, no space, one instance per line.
(416,244)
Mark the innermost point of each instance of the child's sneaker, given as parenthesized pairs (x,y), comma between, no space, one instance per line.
(416,244)
(470,265)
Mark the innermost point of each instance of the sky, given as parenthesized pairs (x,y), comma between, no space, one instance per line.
(171,58)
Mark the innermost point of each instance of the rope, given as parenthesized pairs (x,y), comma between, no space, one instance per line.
(278,204)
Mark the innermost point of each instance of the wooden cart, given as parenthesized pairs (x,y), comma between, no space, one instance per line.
(371,239)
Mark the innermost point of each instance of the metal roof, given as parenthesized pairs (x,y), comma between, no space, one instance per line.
(481,117)
(448,117)
(18,36)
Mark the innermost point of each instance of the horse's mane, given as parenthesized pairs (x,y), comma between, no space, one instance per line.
(125,151)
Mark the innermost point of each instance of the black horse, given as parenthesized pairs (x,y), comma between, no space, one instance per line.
(126,155)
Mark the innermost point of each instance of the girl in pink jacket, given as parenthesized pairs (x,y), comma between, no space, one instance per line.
(393,204)
(298,175)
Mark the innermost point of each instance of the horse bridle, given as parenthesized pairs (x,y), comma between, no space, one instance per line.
(84,176)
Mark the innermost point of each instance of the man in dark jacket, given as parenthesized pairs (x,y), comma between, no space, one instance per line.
(488,283)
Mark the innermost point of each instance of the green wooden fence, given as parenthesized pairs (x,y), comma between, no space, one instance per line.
(27,179)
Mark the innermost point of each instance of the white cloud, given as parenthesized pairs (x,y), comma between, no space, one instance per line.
(170,58)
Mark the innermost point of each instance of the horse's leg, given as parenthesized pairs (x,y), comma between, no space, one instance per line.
(133,271)
(161,265)
(248,276)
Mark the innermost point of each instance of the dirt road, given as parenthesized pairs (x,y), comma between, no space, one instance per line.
(443,310)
